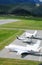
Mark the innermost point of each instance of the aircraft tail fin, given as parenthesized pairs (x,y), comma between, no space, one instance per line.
(35,33)
(39,49)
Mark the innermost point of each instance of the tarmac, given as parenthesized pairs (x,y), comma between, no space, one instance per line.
(4,21)
(4,53)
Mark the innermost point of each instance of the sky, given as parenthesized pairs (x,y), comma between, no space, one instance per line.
(17,1)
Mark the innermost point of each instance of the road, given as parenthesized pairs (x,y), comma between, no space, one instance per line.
(4,53)
(4,21)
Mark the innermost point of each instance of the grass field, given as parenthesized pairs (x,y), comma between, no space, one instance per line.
(4,61)
(7,36)
(30,23)
(20,17)
(24,24)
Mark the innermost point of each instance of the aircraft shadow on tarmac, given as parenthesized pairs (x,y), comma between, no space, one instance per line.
(33,54)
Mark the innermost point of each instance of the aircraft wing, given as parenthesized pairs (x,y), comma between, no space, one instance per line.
(31,34)
(28,34)
(21,52)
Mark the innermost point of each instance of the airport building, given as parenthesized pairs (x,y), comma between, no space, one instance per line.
(21,7)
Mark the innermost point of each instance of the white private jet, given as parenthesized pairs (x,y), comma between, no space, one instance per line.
(22,49)
(27,38)
(27,35)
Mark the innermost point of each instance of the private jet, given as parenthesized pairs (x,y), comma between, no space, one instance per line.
(35,48)
(28,35)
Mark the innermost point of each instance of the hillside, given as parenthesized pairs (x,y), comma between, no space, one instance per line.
(34,7)
(18,1)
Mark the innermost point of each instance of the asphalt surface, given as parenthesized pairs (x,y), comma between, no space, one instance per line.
(4,21)
(4,53)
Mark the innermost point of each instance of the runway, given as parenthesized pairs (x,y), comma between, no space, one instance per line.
(4,53)
(4,21)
